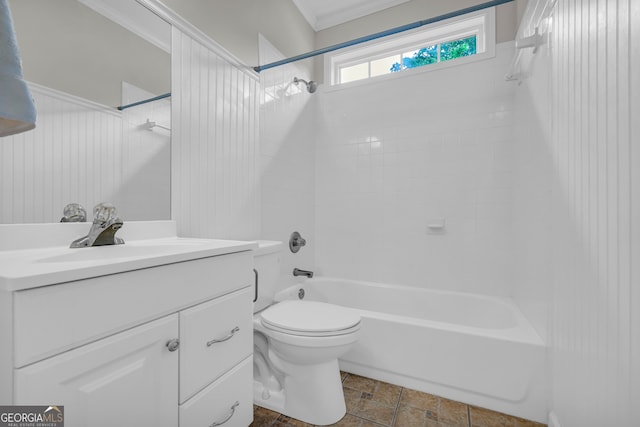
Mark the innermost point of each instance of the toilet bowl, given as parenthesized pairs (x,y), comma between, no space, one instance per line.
(297,344)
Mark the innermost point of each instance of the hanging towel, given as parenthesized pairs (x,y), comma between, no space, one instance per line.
(17,112)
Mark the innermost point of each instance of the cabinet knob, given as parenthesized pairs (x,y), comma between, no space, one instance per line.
(173,344)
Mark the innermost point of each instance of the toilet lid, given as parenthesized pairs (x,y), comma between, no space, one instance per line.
(309,317)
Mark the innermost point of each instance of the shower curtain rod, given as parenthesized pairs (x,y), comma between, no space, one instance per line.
(381,34)
(144,101)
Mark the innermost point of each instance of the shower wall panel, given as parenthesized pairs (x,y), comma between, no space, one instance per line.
(398,156)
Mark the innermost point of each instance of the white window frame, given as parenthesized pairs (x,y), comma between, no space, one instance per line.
(481,24)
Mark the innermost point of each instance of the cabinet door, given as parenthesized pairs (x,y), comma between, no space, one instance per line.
(128,379)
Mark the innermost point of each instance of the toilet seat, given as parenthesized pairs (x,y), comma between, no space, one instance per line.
(310,319)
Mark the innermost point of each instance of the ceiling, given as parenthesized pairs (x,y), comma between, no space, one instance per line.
(322,14)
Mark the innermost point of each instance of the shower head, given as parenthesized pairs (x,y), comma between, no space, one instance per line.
(311,85)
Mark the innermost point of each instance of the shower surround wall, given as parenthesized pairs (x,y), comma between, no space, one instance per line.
(394,156)
(287,159)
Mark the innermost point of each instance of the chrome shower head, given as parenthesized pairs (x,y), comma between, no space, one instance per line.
(311,85)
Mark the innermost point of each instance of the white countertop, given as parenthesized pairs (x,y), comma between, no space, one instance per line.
(31,267)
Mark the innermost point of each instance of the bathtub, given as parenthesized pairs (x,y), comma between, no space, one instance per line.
(471,348)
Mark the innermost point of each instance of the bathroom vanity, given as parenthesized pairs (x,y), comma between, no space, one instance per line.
(153,332)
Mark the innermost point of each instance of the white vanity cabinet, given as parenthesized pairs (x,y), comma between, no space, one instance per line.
(169,345)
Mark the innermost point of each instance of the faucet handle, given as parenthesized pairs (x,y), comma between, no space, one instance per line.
(104,212)
(74,212)
(296,242)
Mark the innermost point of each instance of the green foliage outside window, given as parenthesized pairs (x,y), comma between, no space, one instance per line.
(429,55)
(458,48)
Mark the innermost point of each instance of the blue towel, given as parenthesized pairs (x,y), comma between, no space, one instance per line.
(17,112)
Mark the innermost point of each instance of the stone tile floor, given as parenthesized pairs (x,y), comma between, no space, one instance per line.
(372,403)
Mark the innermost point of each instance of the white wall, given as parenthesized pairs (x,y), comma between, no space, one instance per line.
(214,146)
(596,206)
(287,158)
(588,157)
(395,155)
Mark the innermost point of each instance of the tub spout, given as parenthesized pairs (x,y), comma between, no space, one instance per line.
(299,272)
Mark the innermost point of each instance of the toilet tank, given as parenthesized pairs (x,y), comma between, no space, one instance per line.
(266,261)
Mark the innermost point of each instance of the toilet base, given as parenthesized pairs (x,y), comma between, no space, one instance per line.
(266,398)
(313,394)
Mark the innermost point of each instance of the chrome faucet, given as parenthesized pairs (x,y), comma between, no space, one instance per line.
(103,230)
(298,272)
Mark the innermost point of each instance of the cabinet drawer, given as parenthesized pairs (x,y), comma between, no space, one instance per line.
(230,398)
(91,309)
(214,336)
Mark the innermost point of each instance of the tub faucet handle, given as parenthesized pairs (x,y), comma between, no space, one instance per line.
(296,242)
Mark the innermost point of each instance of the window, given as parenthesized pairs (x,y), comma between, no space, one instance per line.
(470,36)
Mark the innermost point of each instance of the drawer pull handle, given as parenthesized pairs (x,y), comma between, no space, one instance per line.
(233,410)
(228,337)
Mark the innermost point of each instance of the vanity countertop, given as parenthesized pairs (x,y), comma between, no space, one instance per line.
(30,267)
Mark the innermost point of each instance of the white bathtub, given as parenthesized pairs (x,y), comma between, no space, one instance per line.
(471,348)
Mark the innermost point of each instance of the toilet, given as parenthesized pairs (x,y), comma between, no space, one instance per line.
(297,344)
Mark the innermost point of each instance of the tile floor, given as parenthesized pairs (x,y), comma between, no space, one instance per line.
(372,403)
